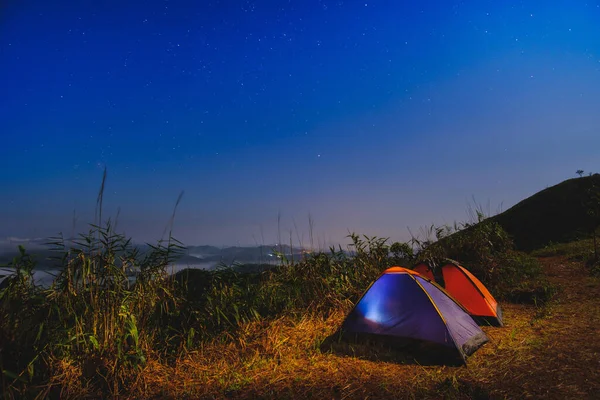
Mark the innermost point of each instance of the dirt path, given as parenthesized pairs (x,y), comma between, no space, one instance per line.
(567,363)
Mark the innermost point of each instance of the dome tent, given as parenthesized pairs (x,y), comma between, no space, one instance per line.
(467,290)
(405,308)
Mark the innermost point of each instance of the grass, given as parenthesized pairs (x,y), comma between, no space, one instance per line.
(267,333)
(93,318)
(283,358)
(218,334)
(579,250)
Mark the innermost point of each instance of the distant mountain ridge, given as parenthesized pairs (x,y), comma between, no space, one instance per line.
(249,254)
(193,256)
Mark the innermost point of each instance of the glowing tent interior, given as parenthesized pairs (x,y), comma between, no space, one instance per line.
(407,308)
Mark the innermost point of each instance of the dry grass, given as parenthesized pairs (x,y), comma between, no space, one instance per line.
(283,359)
(543,352)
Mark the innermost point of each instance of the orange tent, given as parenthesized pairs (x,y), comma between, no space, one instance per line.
(468,290)
(424,270)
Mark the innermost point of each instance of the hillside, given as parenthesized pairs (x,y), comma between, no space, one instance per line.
(556,214)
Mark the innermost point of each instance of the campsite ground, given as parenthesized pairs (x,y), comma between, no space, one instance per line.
(547,351)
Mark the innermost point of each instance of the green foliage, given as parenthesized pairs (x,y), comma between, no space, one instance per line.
(107,308)
(92,312)
(401,253)
(580,250)
(320,282)
(20,330)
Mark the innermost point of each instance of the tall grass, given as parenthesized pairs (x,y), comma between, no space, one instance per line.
(94,315)
(320,282)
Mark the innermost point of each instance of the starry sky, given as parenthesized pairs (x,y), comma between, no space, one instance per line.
(369,116)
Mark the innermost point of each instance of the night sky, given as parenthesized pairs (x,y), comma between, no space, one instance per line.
(370,116)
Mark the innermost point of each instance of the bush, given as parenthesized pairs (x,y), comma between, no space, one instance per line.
(487,251)
(320,282)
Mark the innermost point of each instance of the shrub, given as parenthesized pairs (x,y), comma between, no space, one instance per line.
(320,283)
(486,250)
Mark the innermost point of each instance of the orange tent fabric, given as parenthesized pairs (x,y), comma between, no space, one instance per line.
(424,270)
(468,290)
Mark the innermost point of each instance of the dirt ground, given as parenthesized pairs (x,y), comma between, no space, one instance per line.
(567,361)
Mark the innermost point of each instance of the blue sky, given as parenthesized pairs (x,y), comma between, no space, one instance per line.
(370,116)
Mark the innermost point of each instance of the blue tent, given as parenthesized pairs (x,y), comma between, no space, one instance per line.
(408,308)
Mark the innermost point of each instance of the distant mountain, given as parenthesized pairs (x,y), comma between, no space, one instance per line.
(41,256)
(245,255)
(203,256)
(12,243)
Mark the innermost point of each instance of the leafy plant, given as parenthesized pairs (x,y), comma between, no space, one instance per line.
(108,307)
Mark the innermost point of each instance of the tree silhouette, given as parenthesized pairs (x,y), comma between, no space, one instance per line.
(579,172)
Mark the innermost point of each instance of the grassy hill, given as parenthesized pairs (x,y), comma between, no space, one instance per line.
(556,214)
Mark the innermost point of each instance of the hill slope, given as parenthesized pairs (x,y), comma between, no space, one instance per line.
(556,214)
